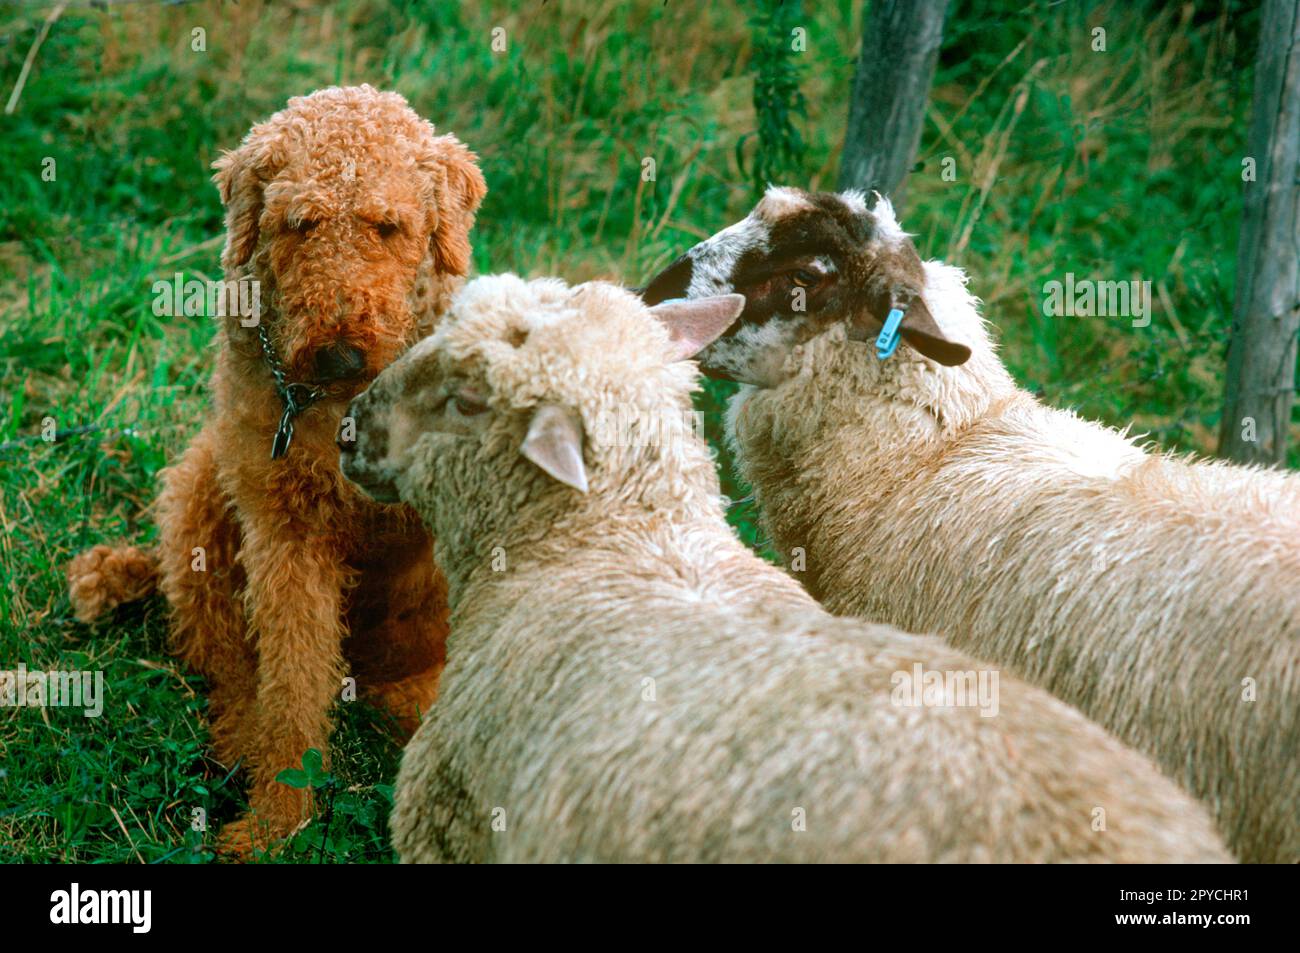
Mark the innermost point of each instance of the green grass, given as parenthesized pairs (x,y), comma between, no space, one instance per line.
(1112,165)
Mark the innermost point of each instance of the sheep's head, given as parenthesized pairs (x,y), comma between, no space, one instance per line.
(513,397)
(805,262)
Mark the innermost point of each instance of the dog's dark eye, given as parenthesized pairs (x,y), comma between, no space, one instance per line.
(804,279)
(305,225)
(468,406)
(386,229)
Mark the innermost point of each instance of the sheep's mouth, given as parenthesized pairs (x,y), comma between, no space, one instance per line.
(716,375)
(353,465)
(381,491)
(715,372)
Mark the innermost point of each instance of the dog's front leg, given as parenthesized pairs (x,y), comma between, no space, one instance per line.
(294,604)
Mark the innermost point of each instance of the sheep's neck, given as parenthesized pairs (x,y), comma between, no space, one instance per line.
(687,547)
(831,444)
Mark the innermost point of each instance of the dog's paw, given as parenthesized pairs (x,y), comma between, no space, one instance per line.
(406,700)
(103,577)
(248,840)
(277,813)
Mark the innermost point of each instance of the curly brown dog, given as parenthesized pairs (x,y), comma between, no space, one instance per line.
(354,218)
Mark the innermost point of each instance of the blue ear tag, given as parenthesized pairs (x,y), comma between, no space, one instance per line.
(887,339)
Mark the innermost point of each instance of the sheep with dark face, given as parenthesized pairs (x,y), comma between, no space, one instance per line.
(807,262)
(628,682)
(930,492)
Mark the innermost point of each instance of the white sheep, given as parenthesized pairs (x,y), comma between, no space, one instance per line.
(1160,595)
(628,682)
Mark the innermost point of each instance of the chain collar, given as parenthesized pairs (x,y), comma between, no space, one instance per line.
(296,397)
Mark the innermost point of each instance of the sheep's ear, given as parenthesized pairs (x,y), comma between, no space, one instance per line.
(554,443)
(696,323)
(921,331)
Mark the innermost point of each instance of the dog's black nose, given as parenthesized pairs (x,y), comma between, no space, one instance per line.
(339,362)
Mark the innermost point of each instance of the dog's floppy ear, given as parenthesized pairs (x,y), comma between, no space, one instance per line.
(696,323)
(241,176)
(554,443)
(460,190)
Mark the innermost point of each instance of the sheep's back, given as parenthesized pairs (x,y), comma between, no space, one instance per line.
(609,726)
(1157,595)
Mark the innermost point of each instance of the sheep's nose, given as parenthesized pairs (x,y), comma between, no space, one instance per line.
(346,440)
(339,362)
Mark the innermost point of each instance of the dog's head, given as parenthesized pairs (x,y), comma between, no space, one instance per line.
(336,205)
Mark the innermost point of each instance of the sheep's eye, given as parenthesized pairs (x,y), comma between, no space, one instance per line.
(804,279)
(468,406)
(305,225)
(386,229)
